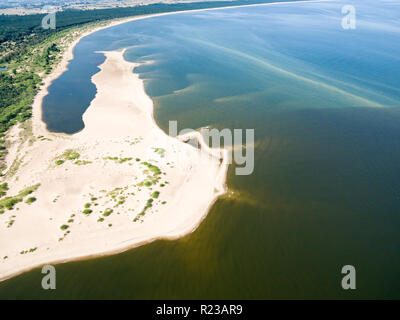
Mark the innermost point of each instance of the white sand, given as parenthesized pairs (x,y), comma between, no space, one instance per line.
(118,123)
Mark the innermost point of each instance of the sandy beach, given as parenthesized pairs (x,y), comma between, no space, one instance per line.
(93,188)
(68,55)
(119,183)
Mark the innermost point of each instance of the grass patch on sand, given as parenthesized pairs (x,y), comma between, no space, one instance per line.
(82,162)
(29,190)
(30,200)
(10,202)
(120,160)
(151,179)
(149,204)
(28,251)
(3,189)
(107,212)
(69,154)
(154,169)
(160,152)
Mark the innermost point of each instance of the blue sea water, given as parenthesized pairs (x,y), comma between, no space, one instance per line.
(324,103)
(286,56)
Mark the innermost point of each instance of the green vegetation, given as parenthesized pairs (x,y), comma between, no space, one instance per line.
(156,170)
(151,180)
(70,155)
(120,160)
(87,211)
(65,227)
(21,82)
(107,212)
(3,189)
(10,202)
(30,200)
(155,194)
(28,251)
(27,29)
(29,190)
(82,162)
(160,152)
(17,89)
(87,205)
(41,138)
(147,183)
(149,204)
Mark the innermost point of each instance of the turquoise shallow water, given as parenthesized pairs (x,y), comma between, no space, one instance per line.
(324,103)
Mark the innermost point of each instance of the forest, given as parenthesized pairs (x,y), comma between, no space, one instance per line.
(14,27)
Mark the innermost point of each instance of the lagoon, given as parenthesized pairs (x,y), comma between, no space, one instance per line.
(324,104)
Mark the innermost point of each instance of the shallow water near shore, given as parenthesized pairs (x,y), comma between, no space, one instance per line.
(324,103)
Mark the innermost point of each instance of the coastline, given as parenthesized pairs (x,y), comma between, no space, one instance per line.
(68,55)
(191,187)
(215,177)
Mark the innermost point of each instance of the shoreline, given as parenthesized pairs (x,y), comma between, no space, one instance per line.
(210,179)
(193,187)
(68,55)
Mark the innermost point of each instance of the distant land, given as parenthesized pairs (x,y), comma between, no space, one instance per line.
(26,7)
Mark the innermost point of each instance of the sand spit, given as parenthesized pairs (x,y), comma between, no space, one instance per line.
(40,126)
(119,183)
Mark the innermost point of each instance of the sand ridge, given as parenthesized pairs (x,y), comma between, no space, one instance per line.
(135,183)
